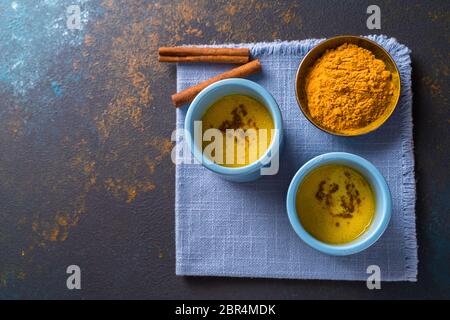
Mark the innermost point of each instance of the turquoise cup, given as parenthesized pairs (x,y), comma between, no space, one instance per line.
(383,203)
(211,94)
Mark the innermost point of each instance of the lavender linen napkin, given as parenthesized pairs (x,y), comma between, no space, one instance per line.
(242,230)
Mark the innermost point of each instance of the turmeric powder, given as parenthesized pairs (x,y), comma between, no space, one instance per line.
(348,88)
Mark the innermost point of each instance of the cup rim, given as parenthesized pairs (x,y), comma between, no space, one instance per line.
(359,244)
(268,101)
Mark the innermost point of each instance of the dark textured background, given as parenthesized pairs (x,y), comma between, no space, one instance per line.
(85,124)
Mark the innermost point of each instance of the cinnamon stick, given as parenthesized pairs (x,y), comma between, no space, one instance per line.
(200,51)
(189,94)
(211,59)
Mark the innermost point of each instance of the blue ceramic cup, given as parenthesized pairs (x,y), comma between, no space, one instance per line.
(269,161)
(383,203)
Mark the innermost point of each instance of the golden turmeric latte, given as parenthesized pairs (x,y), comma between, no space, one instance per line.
(348,89)
(335,204)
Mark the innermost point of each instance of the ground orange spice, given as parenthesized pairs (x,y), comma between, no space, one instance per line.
(348,88)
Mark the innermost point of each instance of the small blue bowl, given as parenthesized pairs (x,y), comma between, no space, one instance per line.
(211,94)
(383,203)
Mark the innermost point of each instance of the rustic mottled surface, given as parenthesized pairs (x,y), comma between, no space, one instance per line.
(85,125)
